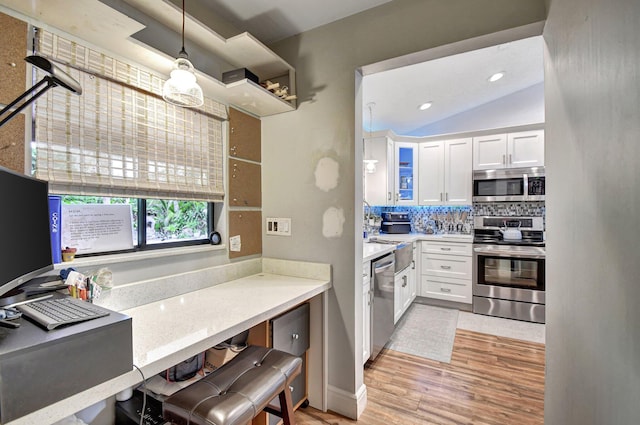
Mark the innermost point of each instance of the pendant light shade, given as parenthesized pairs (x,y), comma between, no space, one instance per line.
(182,88)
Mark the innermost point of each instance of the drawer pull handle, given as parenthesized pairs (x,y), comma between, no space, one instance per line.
(445,267)
(295,336)
(445,249)
(445,289)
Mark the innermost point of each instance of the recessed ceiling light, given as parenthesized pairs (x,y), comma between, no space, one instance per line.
(425,106)
(495,77)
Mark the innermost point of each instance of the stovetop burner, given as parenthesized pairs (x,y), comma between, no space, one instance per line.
(498,240)
(488,230)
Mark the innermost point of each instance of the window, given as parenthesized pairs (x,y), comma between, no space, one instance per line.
(159,223)
(119,142)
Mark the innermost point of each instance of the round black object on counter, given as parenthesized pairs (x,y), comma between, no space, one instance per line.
(215,238)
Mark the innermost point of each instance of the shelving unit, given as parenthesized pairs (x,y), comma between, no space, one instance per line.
(112,31)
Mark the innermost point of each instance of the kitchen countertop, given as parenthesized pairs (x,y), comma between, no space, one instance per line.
(372,250)
(168,331)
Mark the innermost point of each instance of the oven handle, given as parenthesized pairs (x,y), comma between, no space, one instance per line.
(510,254)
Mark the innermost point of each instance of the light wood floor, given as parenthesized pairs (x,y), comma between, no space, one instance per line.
(490,380)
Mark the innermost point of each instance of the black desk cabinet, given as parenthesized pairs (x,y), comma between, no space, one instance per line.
(39,367)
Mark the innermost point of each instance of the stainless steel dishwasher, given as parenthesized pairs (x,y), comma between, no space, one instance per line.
(383,271)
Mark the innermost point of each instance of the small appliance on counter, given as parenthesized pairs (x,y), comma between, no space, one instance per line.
(395,222)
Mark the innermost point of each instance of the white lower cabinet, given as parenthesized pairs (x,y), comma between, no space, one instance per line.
(404,292)
(446,271)
(366,311)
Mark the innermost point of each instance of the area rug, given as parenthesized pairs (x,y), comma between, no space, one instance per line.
(426,331)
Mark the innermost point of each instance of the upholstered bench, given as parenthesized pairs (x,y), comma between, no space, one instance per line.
(237,391)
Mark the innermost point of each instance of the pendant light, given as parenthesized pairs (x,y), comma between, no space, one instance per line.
(370,163)
(182,89)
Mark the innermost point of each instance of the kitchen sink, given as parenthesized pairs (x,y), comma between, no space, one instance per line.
(384,241)
(403,253)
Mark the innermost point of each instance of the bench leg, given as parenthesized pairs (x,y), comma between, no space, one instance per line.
(286,406)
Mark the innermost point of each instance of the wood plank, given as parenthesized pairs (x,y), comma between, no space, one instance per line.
(491,380)
(247,225)
(244,136)
(245,184)
(13,68)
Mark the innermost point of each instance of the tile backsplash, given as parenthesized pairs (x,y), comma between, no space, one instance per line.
(420,215)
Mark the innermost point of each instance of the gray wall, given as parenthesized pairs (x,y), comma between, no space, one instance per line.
(324,125)
(592,95)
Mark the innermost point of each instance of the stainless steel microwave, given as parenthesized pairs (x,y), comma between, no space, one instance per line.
(509,185)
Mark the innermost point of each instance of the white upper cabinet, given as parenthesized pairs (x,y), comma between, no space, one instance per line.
(445,172)
(431,173)
(406,173)
(512,150)
(379,184)
(526,149)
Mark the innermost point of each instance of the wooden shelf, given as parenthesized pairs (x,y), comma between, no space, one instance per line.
(112,31)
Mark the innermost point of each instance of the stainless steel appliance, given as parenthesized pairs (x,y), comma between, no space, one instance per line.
(511,184)
(395,222)
(384,271)
(509,274)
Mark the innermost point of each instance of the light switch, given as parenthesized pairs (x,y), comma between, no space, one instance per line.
(278,226)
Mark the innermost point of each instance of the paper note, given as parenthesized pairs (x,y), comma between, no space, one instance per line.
(235,244)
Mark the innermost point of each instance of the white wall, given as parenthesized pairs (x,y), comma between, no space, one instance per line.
(520,108)
(592,95)
(322,131)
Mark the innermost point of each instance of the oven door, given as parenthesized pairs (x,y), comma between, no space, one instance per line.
(514,273)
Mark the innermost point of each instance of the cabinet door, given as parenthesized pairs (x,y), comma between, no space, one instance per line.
(490,152)
(431,184)
(406,173)
(525,149)
(244,136)
(378,184)
(457,172)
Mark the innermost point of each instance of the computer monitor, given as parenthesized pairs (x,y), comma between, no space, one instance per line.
(24,232)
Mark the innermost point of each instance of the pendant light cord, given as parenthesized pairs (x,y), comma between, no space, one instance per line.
(183,51)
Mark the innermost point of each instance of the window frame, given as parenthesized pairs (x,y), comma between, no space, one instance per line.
(143,246)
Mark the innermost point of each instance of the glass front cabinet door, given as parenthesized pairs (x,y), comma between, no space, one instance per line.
(406,173)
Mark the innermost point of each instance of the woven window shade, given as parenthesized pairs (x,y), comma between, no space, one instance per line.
(119,138)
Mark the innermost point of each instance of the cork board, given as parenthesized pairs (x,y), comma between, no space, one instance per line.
(244,136)
(12,144)
(13,68)
(248,226)
(245,187)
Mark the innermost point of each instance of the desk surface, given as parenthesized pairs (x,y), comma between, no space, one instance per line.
(169,331)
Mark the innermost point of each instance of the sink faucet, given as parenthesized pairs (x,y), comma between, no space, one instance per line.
(367,210)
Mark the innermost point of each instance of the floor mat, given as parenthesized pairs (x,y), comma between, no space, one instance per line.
(426,331)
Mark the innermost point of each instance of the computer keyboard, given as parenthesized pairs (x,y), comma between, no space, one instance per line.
(55,312)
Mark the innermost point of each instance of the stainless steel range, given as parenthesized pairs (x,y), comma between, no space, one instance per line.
(509,267)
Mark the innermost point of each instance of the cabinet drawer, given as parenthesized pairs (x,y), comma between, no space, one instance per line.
(290,332)
(457,290)
(447,248)
(446,266)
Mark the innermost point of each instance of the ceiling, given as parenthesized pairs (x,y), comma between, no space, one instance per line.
(271,21)
(455,84)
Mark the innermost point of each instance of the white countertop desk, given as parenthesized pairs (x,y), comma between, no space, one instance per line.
(169,331)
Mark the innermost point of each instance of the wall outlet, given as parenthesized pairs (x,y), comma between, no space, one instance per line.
(279,226)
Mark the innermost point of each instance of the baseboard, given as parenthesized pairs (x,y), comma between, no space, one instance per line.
(444,303)
(346,403)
